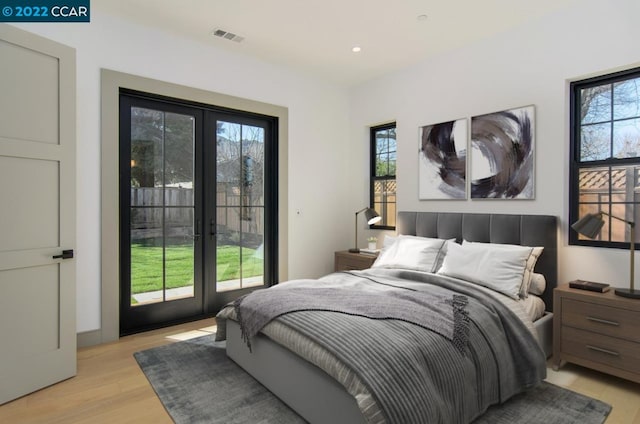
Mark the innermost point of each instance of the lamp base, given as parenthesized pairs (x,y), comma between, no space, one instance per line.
(632,294)
(354,250)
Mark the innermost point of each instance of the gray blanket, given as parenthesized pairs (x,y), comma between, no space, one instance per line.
(416,373)
(442,313)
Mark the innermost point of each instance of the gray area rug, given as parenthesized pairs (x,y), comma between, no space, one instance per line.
(197,383)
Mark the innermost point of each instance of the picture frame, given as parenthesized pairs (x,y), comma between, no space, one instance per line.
(442,160)
(502,154)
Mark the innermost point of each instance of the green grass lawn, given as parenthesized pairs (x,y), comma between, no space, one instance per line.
(146,266)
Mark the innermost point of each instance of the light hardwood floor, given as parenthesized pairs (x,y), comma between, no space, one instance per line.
(623,395)
(110,388)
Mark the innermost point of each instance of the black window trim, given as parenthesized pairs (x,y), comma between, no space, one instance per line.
(574,155)
(372,170)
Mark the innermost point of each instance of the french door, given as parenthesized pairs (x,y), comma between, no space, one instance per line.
(197,209)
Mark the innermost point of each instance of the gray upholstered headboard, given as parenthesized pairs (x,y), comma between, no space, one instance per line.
(526,230)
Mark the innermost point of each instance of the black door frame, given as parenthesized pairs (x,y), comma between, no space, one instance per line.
(270,275)
(210,301)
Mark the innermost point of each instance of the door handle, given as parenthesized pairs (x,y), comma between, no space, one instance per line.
(66,254)
(212,228)
(196,235)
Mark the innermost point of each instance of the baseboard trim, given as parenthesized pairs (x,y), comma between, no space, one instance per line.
(89,338)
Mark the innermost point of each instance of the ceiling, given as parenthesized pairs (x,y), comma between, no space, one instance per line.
(317,36)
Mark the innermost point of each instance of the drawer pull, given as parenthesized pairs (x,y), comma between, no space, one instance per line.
(603,321)
(601,350)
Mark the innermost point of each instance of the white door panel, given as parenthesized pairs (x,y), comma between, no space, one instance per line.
(30,80)
(37,331)
(30,219)
(37,213)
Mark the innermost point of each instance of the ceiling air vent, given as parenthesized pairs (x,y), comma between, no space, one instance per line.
(226,34)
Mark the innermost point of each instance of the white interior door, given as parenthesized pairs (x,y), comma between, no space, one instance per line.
(37,212)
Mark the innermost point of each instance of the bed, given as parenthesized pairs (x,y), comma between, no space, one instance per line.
(315,393)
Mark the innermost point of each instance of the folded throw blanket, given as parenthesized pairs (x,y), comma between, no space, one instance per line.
(441,314)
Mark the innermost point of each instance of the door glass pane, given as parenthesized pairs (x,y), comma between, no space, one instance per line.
(162,206)
(240,206)
(179,155)
(253,248)
(179,248)
(146,253)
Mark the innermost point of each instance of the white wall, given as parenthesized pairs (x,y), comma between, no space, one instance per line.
(318,135)
(328,126)
(529,65)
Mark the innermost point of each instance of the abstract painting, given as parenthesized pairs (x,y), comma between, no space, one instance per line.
(502,153)
(442,170)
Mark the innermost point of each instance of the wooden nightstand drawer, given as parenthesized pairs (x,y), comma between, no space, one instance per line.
(610,351)
(597,330)
(347,261)
(601,319)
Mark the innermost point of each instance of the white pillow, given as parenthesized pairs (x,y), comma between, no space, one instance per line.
(410,252)
(538,284)
(443,253)
(531,261)
(499,269)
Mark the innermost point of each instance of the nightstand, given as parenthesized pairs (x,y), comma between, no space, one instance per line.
(597,330)
(345,260)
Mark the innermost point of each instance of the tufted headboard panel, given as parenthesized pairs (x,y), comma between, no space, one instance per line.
(525,230)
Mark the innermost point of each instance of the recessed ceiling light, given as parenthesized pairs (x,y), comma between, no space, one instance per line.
(422,17)
(356,49)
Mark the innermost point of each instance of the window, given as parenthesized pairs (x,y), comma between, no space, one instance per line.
(605,155)
(383,174)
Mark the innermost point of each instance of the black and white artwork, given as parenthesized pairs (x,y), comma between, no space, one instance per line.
(502,153)
(442,165)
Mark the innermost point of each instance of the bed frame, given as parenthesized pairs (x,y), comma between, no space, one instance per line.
(319,398)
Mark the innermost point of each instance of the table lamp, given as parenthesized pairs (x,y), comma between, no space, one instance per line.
(590,225)
(372,217)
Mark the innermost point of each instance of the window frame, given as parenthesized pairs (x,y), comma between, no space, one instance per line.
(576,164)
(372,170)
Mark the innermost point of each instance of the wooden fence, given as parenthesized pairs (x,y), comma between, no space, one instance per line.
(148,204)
